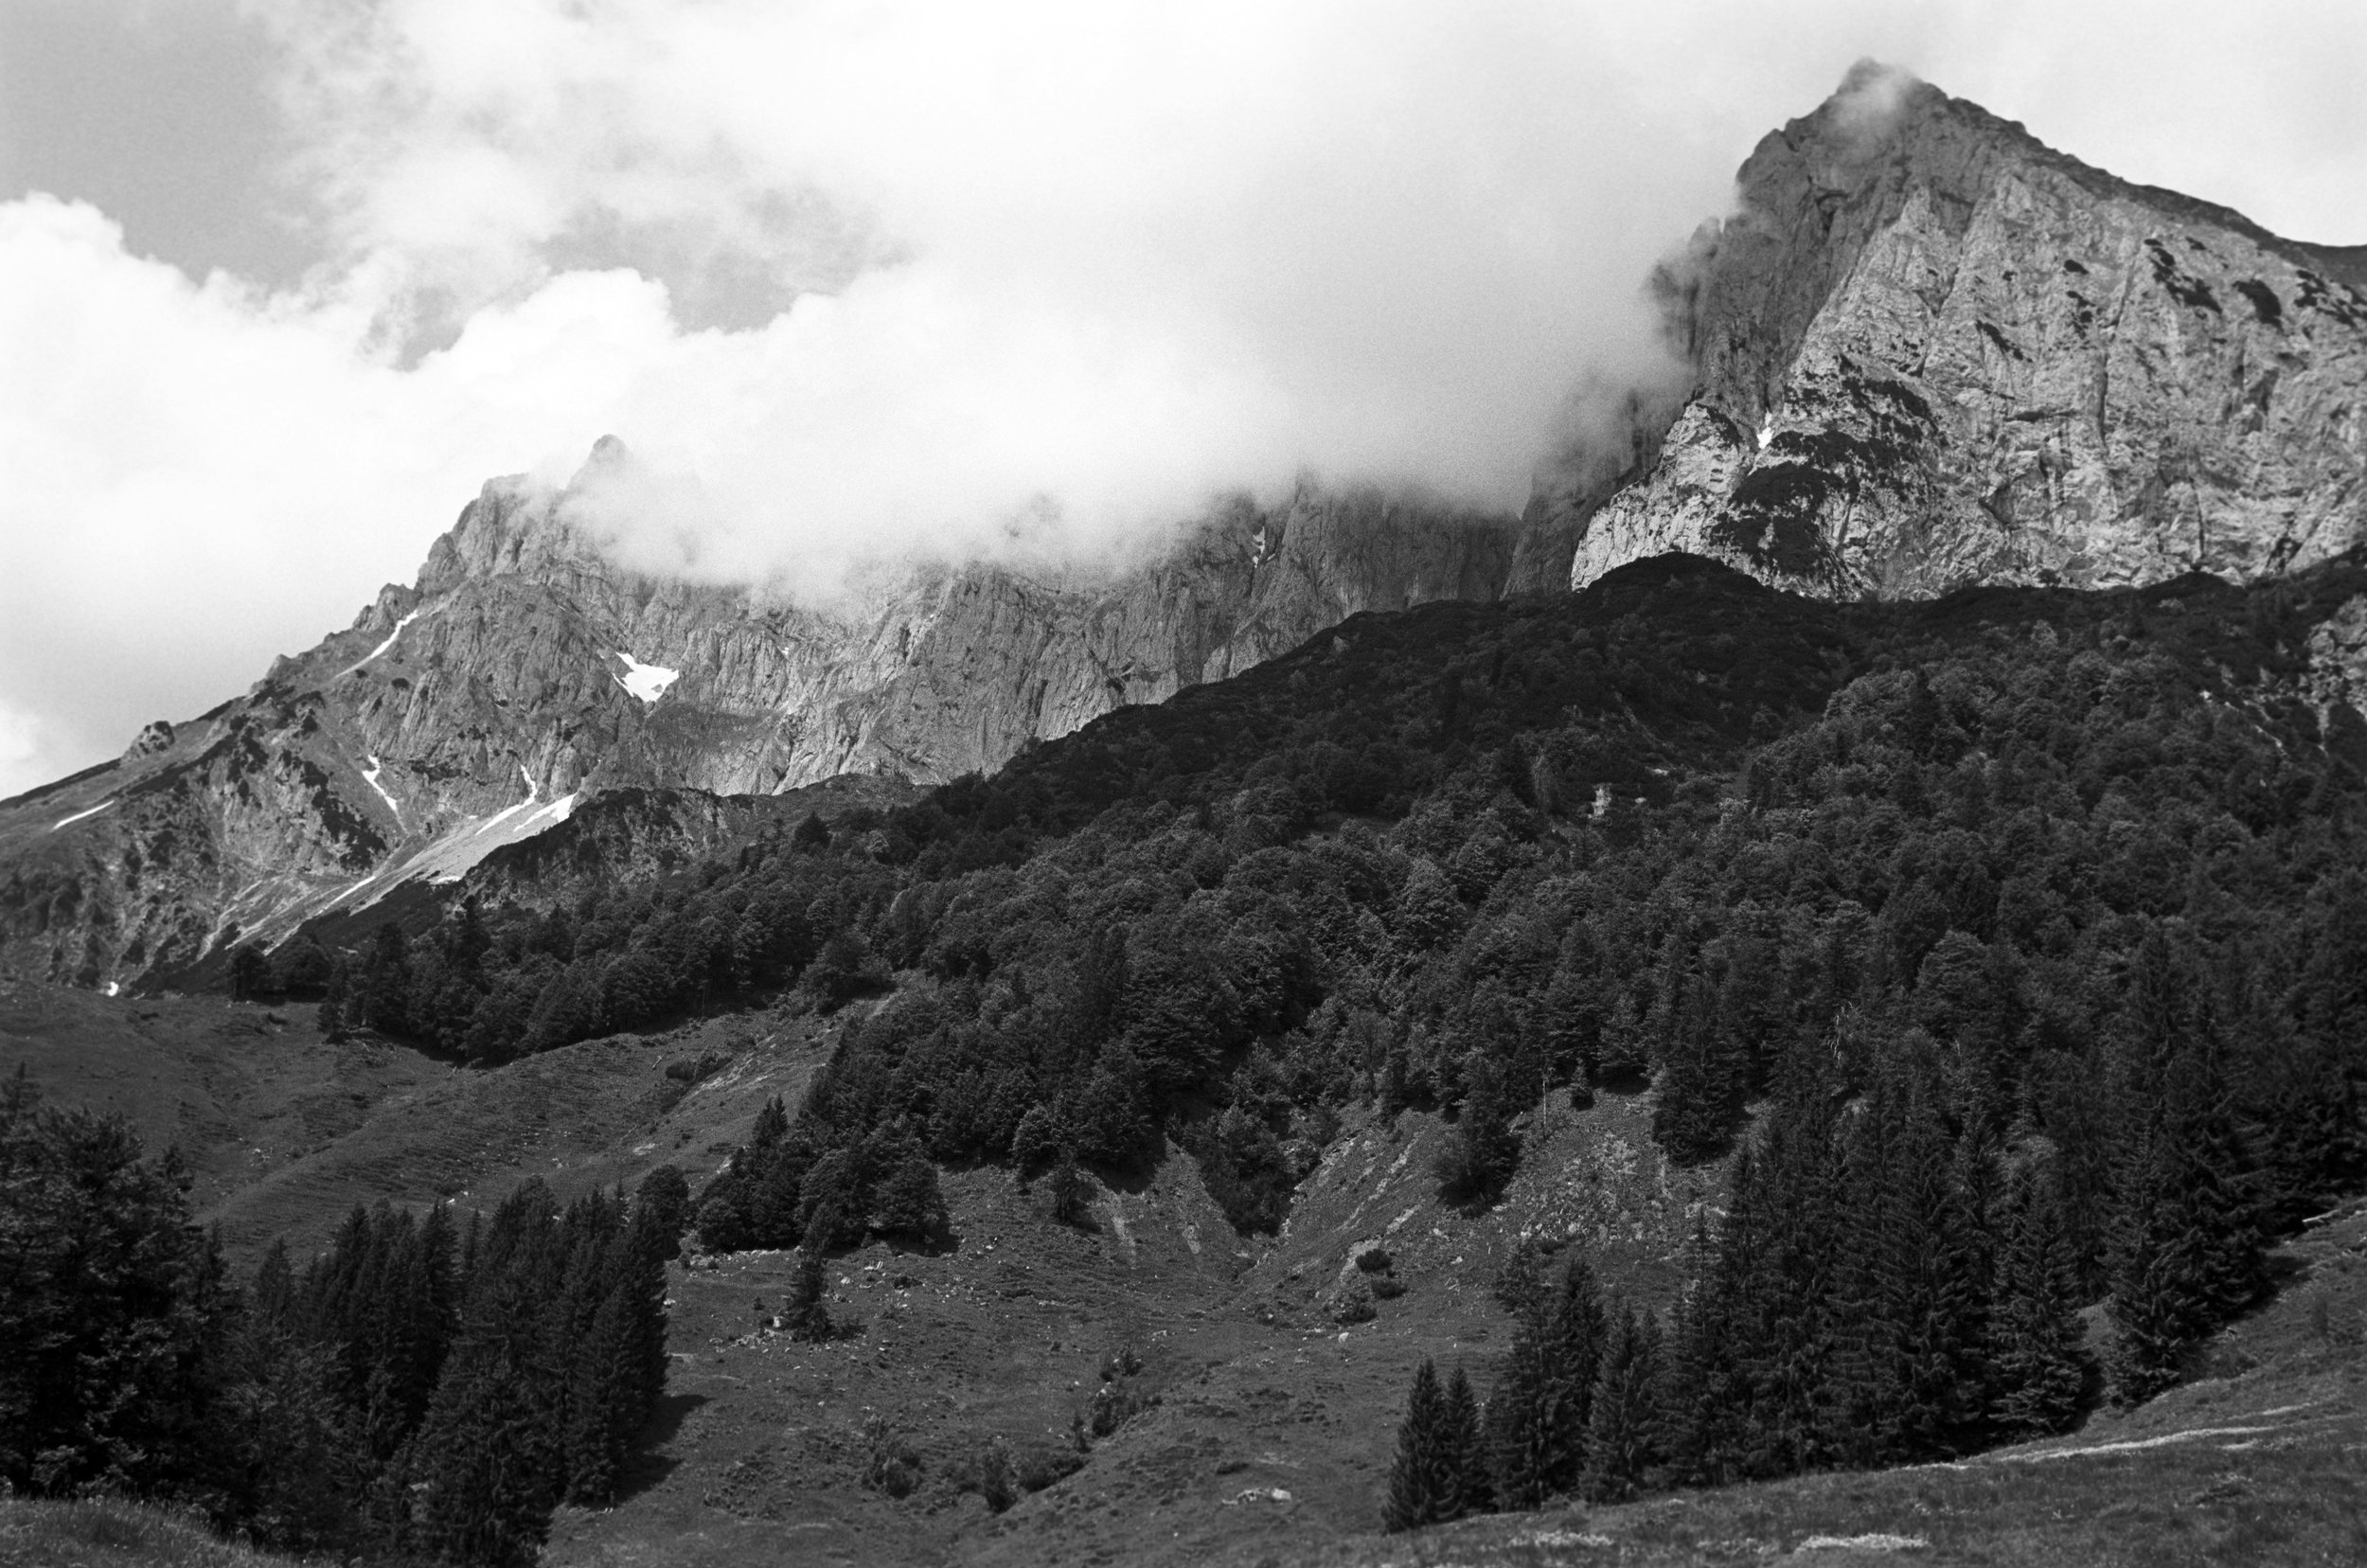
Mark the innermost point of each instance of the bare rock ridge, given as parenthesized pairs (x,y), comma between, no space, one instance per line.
(1931,351)
(1928,351)
(525,675)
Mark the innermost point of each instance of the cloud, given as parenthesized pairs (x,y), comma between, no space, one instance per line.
(858,279)
(1103,259)
(190,468)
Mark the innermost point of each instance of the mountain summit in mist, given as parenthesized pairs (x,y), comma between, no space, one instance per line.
(1929,352)
(1933,352)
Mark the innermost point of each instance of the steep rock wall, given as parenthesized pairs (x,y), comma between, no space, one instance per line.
(1932,351)
(525,672)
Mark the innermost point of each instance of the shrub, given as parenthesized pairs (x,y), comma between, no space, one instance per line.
(891,1463)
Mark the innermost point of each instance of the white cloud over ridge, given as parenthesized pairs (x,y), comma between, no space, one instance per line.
(880,280)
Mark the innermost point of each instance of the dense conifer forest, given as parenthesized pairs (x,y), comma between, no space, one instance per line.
(422,1390)
(2012,947)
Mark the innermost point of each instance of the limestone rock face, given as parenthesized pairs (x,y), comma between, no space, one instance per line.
(525,674)
(1926,351)
(1932,351)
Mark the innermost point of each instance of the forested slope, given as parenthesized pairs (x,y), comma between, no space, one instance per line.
(2015,940)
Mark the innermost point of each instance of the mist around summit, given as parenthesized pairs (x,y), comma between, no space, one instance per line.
(855,285)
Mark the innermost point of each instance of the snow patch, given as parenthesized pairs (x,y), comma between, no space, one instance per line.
(369,776)
(1864,1543)
(534,793)
(382,647)
(114,989)
(64,821)
(548,816)
(644,681)
(1766,431)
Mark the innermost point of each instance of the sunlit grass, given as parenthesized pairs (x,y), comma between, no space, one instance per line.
(108,1532)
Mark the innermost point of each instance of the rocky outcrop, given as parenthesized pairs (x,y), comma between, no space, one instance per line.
(525,673)
(1932,351)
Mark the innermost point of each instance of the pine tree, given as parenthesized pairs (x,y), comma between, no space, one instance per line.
(1623,1425)
(2037,1368)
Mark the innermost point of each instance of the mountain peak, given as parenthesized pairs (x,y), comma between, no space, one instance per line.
(1932,351)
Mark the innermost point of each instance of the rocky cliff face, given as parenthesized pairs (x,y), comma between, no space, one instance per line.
(525,673)
(1928,351)
(1932,351)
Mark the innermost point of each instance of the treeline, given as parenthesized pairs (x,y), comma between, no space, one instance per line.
(419,1390)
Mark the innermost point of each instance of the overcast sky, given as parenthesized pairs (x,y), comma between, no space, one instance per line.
(282,281)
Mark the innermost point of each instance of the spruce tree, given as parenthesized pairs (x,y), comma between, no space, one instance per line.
(1483,1150)
(1462,1451)
(2037,1368)
(1536,1420)
(485,1457)
(806,1315)
(602,1396)
(1624,1419)
(1421,1479)
(665,1193)
(1693,1114)
(1705,1391)
(2187,1243)
(1909,1383)
(651,1243)
(111,1303)
(337,1005)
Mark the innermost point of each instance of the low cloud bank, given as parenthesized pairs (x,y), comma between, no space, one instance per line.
(856,283)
